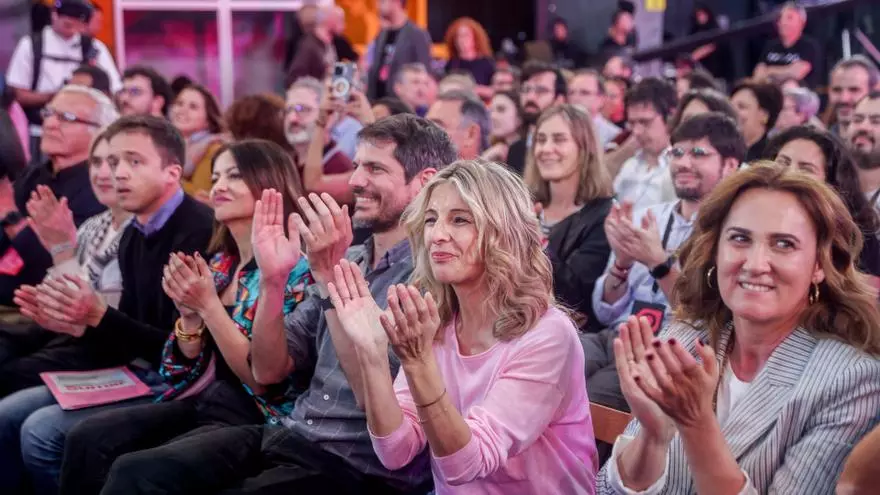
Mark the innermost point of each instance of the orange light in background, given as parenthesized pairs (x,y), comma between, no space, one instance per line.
(106,32)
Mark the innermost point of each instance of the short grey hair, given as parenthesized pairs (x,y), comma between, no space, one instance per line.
(310,83)
(798,9)
(806,102)
(411,67)
(863,62)
(105,111)
(473,111)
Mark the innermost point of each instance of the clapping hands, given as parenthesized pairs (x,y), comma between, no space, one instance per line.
(50,218)
(188,281)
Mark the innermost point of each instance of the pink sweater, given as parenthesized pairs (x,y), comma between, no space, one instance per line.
(526,404)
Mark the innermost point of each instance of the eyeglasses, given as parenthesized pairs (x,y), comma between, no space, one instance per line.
(300,109)
(132,91)
(66,117)
(538,90)
(696,153)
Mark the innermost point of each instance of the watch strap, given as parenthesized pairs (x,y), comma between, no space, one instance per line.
(11,218)
(326,304)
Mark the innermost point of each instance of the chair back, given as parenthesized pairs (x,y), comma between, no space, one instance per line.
(608,423)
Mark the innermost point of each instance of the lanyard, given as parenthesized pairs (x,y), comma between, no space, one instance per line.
(666,233)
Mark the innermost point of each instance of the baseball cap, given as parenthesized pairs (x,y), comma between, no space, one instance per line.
(77,9)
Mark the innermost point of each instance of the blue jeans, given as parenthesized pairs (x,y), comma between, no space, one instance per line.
(33,428)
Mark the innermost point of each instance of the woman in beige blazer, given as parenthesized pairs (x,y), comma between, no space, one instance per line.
(769,376)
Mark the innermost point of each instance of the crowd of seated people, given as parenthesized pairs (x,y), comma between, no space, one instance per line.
(423,287)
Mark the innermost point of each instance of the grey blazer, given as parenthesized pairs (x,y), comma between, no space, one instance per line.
(413,44)
(805,411)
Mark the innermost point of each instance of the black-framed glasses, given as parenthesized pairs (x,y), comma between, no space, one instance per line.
(66,117)
(696,153)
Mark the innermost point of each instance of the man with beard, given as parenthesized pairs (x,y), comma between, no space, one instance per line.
(466,120)
(324,443)
(643,268)
(144,92)
(864,141)
(543,86)
(300,124)
(851,79)
(401,42)
(412,85)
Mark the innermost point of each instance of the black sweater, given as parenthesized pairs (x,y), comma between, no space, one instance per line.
(145,318)
(579,252)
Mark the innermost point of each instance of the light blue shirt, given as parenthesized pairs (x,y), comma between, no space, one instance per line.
(345,134)
(160,218)
(640,285)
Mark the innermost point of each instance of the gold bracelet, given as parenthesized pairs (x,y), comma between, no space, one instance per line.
(441,412)
(425,406)
(187,337)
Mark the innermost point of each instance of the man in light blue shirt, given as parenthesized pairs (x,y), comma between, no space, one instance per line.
(642,270)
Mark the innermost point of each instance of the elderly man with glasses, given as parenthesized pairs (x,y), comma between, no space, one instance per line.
(70,120)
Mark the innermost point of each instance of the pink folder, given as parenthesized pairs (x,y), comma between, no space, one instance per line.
(81,389)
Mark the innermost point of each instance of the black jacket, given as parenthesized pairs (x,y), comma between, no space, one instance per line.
(579,252)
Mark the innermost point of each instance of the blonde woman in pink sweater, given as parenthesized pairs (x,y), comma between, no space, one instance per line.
(492,372)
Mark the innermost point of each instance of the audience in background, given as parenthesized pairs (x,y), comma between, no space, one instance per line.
(341,44)
(144,92)
(757,106)
(543,86)
(644,244)
(794,55)
(565,173)
(506,79)
(70,121)
(506,125)
(388,106)
(799,107)
(458,81)
(786,333)
(699,101)
(476,245)
(566,53)
(614,109)
(91,76)
(195,113)
(399,43)
(713,57)
(618,66)
(698,79)
(621,34)
(466,121)
(259,117)
(863,138)
(470,51)
(586,89)
(644,179)
(851,79)
(315,54)
(411,86)
(254,181)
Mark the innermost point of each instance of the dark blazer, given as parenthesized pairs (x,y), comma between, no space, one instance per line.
(579,251)
(310,60)
(413,44)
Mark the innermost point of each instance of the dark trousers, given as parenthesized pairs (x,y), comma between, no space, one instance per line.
(94,444)
(25,353)
(238,460)
(603,384)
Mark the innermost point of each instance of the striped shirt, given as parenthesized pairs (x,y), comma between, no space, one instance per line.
(327,413)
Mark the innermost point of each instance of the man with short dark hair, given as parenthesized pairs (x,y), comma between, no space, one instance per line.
(505,79)
(864,141)
(465,119)
(793,55)
(91,76)
(145,155)
(644,179)
(621,33)
(542,87)
(144,92)
(401,42)
(324,445)
(643,268)
(587,90)
(851,79)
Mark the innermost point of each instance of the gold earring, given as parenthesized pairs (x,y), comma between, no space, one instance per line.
(709,273)
(814,294)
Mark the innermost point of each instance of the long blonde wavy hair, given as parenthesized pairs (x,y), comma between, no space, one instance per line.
(846,309)
(517,272)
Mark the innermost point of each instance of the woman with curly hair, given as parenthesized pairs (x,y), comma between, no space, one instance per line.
(470,51)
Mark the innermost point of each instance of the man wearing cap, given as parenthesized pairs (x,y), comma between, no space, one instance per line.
(43,62)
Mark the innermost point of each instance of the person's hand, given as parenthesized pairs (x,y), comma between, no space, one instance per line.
(188,281)
(50,218)
(415,324)
(275,252)
(359,107)
(327,235)
(330,109)
(7,197)
(631,356)
(615,233)
(71,300)
(357,310)
(642,242)
(26,298)
(679,385)
(497,153)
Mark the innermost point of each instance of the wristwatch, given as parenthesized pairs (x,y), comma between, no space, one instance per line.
(11,218)
(326,304)
(663,269)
